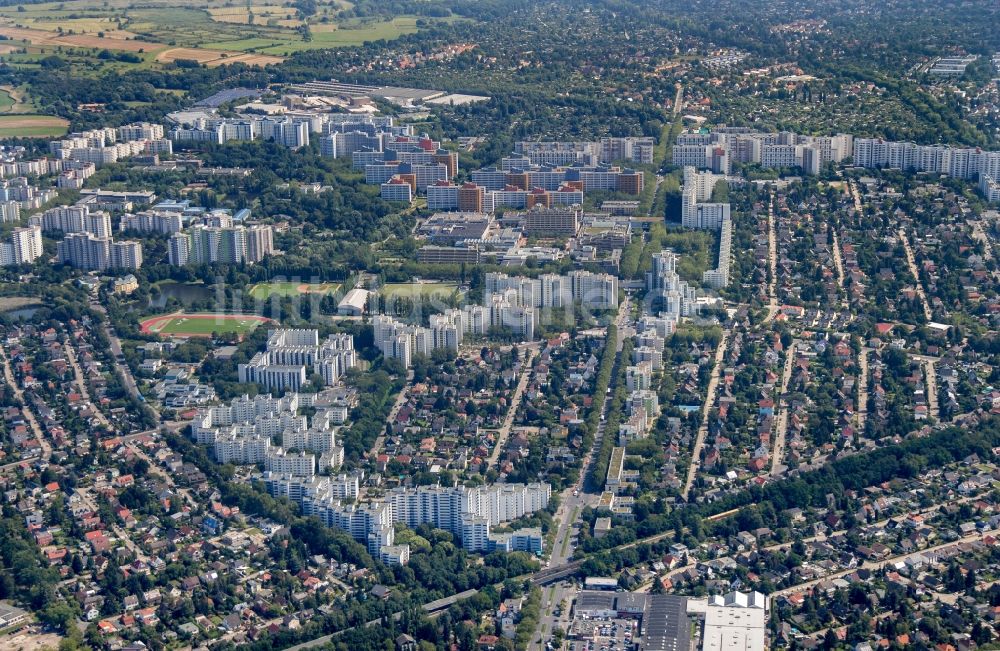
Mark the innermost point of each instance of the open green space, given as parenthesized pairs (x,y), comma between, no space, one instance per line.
(413,290)
(264,291)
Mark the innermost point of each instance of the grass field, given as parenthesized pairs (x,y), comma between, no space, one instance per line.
(264,291)
(31,126)
(201,325)
(418,290)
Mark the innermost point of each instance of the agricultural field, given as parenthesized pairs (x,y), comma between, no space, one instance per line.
(264,291)
(201,325)
(32,126)
(216,32)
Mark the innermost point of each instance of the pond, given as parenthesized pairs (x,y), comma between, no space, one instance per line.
(185,293)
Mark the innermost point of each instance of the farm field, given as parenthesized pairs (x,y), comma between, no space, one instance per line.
(264,291)
(212,58)
(31,126)
(160,32)
(201,325)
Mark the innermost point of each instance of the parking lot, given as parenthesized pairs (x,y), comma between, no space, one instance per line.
(602,634)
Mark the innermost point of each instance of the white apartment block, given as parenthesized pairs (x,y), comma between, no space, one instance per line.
(717,149)
(959,162)
(698,213)
(242,433)
(152,221)
(990,188)
(718,277)
(599,291)
(398,340)
(293,355)
(678,297)
(24,246)
(74,219)
(399,190)
(209,244)
(90,252)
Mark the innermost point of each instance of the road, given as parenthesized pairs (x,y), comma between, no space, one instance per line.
(26,410)
(838,263)
(706,409)
(930,386)
(911,262)
(81,383)
(116,353)
(572,501)
(515,403)
(873,565)
(678,100)
(781,421)
(772,263)
(861,409)
(396,406)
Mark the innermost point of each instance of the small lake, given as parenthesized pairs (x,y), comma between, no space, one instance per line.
(21,313)
(185,293)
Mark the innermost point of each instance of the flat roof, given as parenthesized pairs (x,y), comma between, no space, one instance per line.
(665,624)
(730,628)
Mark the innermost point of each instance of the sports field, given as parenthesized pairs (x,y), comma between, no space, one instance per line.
(264,291)
(418,290)
(201,325)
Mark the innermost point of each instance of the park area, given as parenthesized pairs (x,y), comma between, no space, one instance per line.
(201,325)
(418,290)
(264,291)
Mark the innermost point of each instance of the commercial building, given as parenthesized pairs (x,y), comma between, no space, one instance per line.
(551,221)
(448,255)
(354,303)
(662,621)
(735,621)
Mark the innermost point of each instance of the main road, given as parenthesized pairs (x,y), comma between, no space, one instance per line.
(572,501)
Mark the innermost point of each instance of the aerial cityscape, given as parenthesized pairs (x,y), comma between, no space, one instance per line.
(490,325)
